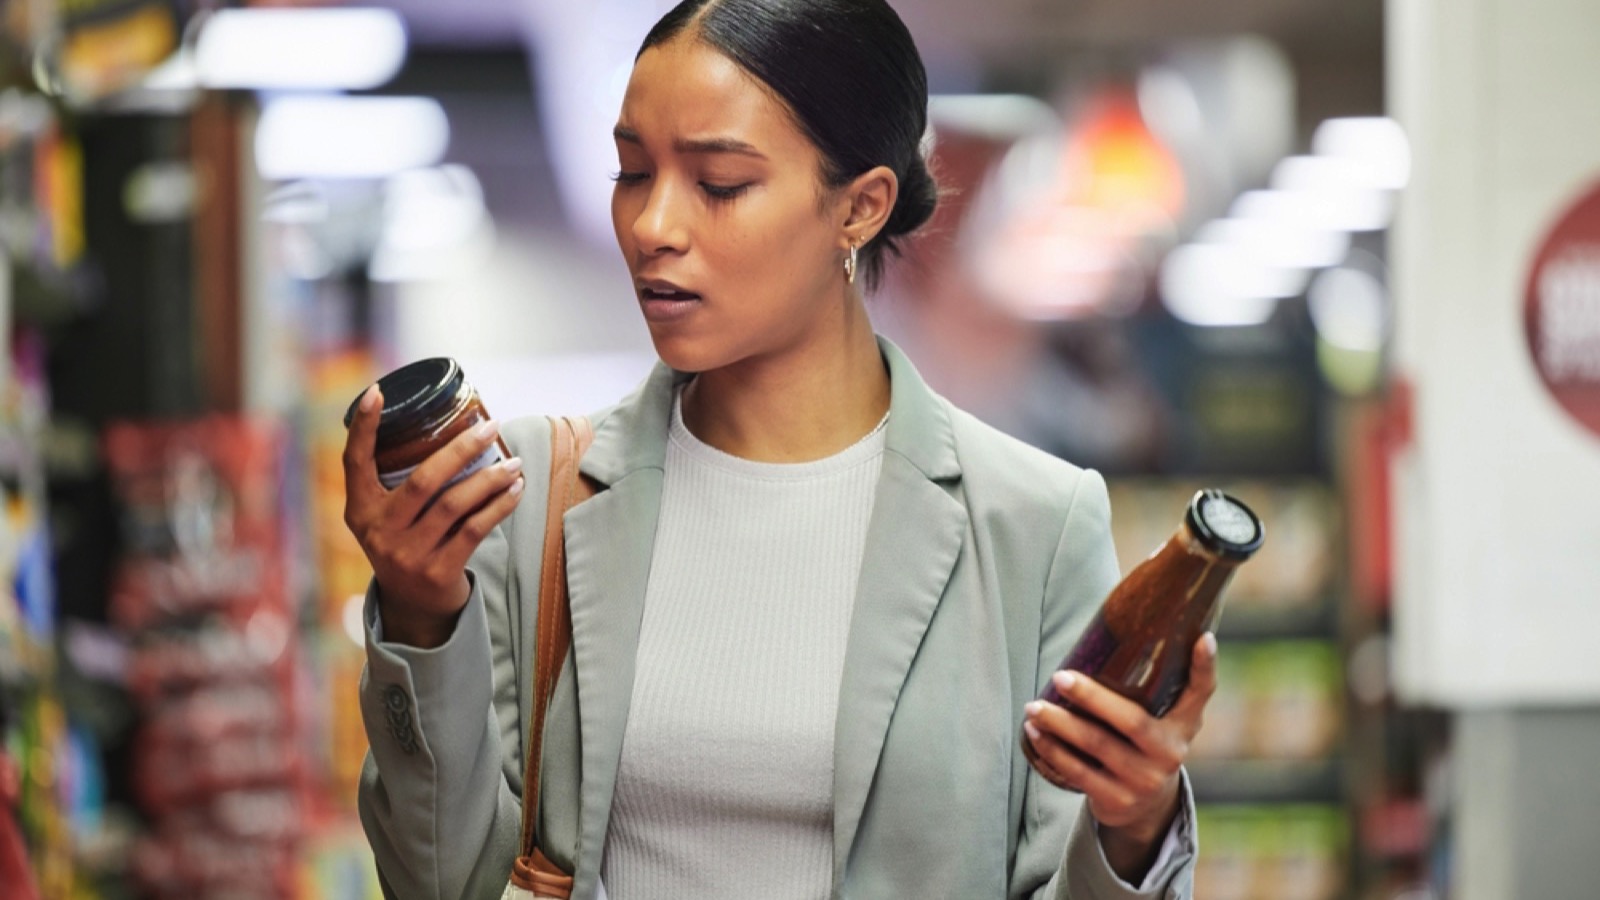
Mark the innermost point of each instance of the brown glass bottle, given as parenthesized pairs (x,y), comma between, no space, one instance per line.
(1139,643)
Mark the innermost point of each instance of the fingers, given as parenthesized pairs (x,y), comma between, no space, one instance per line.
(425,482)
(1122,715)
(1141,772)
(1040,764)
(1202,683)
(1062,767)
(459,546)
(450,510)
(360,473)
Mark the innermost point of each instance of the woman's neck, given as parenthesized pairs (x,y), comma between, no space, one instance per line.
(807,404)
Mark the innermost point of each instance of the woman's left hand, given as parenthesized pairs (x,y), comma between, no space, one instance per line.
(1133,793)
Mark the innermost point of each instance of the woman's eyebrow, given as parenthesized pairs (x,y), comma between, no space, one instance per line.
(697,145)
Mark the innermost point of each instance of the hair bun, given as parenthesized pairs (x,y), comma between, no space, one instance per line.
(918,198)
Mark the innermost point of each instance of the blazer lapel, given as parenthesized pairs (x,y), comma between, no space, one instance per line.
(609,541)
(913,541)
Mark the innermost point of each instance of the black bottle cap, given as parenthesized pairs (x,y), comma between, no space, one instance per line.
(1223,525)
(414,393)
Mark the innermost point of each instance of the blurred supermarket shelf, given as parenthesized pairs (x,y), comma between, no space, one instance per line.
(1268,781)
(1316,619)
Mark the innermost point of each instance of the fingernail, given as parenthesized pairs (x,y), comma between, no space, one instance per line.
(369,399)
(514,464)
(1034,708)
(1065,681)
(1032,732)
(517,486)
(486,429)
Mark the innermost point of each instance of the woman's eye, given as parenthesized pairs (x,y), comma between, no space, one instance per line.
(723,192)
(629,177)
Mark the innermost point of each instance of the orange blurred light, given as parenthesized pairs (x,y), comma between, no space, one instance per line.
(1115,164)
(1082,242)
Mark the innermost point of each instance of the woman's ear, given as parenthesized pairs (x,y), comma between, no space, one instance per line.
(869,201)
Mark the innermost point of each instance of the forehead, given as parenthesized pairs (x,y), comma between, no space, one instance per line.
(687,89)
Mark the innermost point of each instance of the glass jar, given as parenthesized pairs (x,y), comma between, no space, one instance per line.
(425,405)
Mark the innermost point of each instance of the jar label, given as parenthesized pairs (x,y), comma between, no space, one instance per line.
(489,457)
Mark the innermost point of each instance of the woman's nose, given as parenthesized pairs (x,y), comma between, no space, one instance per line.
(659,227)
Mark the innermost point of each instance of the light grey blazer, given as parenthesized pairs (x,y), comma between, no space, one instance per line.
(985,559)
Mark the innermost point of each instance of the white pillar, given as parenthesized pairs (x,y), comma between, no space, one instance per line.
(1498,506)
(1497,499)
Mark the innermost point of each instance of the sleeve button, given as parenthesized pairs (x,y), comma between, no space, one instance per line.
(395,698)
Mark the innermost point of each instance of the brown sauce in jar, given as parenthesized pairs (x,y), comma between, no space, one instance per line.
(425,406)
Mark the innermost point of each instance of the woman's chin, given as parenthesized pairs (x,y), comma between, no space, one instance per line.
(682,355)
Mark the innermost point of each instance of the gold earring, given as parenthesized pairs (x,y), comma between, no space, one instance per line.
(850,265)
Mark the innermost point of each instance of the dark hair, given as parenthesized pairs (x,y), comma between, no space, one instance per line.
(851,75)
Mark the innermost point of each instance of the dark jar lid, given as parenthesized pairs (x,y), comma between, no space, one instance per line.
(415,395)
(1223,525)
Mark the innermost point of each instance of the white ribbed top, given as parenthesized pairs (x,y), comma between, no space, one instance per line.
(726,781)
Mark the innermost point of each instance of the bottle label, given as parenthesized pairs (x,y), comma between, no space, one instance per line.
(392,480)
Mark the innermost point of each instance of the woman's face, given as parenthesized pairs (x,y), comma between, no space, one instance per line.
(717,213)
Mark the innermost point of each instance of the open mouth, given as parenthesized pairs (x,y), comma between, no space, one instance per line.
(667,295)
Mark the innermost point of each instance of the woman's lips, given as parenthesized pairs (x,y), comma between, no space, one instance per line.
(667,306)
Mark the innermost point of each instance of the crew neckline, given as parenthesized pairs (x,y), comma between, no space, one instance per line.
(868,448)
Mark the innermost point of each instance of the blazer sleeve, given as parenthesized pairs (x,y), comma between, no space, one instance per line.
(1059,845)
(440,792)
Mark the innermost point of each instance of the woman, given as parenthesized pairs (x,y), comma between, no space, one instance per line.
(811,601)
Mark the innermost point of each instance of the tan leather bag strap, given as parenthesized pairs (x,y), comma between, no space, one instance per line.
(569,438)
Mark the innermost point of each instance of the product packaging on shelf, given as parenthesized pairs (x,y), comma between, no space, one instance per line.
(219,760)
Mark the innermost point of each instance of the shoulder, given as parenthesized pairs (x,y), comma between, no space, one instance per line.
(529,436)
(523,435)
(1000,470)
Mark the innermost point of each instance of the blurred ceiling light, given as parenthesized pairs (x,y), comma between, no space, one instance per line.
(1335,193)
(177,73)
(1253,111)
(1283,223)
(426,209)
(1349,307)
(1259,251)
(998,117)
(435,224)
(1169,104)
(300,49)
(349,137)
(1210,285)
(1278,242)
(296,203)
(1375,145)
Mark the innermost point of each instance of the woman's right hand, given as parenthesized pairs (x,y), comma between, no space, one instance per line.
(419,551)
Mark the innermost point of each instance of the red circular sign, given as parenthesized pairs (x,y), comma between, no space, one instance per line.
(1562,310)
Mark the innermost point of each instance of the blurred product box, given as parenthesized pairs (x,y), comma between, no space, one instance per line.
(1295,697)
(1272,852)
(1275,701)
(201,595)
(342,573)
(336,864)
